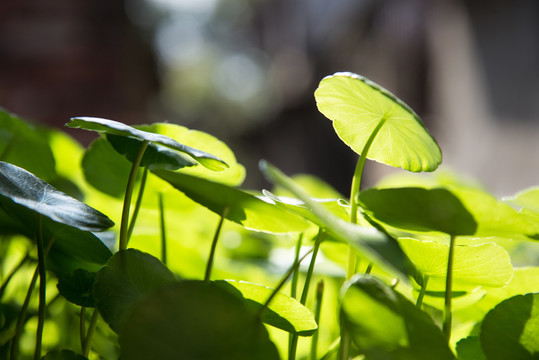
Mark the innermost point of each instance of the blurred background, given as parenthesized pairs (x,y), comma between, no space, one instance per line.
(245,71)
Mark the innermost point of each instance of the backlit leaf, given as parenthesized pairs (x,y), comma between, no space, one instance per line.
(283,312)
(386,325)
(357,105)
(243,208)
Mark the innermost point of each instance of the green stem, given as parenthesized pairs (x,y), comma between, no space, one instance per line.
(354,193)
(281,284)
(82,326)
(163,229)
(91,328)
(369,268)
(422,291)
(214,245)
(138,203)
(42,287)
(333,348)
(448,289)
(24,309)
(129,194)
(294,341)
(293,293)
(317,310)
(295,276)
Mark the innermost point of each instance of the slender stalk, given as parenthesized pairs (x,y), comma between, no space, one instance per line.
(129,194)
(91,328)
(317,310)
(295,275)
(24,309)
(293,293)
(163,230)
(332,350)
(42,287)
(354,193)
(281,283)
(138,203)
(422,291)
(214,245)
(294,341)
(448,317)
(82,326)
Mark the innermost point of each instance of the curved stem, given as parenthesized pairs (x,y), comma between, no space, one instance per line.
(422,292)
(163,229)
(448,289)
(12,273)
(281,283)
(214,245)
(294,340)
(137,203)
(128,195)
(42,287)
(354,192)
(91,328)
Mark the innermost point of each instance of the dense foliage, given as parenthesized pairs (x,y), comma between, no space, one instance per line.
(146,247)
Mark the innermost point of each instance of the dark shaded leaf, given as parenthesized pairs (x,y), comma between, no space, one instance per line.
(77,286)
(509,331)
(194,320)
(129,276)
(22,187)
(155,156)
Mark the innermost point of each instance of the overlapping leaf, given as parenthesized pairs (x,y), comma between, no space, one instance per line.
(283,312)
(377,246)
(243,208)
(116,128)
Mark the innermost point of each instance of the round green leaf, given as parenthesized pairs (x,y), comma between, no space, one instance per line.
(129,276)
(63,355)
(194,320)
(509,331)
(117,128)
(385,325)
(243,208)
(22,187)
(283,312)
(357,106)
(76,287)
(486,264)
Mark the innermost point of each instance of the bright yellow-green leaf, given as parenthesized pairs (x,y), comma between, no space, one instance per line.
(357,106)
(473,265)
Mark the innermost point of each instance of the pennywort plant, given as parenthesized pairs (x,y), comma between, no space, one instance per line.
(186,264)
